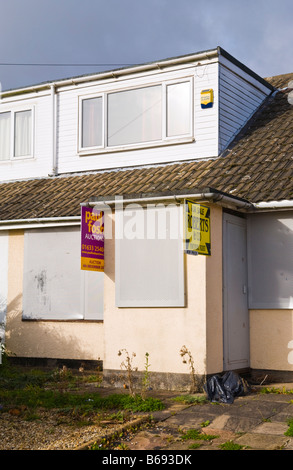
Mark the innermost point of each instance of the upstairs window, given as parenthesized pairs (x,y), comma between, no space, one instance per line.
(92,122)
(145,116)
(5,125)
(15,134)
(135,116)
(23,134)
(178,109)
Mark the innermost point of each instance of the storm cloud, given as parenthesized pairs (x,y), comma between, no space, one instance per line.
(114,33)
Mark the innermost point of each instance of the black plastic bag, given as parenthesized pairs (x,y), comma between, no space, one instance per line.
(224,389)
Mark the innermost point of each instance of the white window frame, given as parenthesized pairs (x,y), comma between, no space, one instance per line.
(13,113)
(81,99)
(173,140)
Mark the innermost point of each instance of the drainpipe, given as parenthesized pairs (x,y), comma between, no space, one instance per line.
(54,171)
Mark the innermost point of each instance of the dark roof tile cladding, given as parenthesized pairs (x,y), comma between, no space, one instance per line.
(257,166)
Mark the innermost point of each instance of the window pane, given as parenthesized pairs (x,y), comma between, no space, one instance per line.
(135,116)
(92,127)
(23,134)
(178,109)
(4,136)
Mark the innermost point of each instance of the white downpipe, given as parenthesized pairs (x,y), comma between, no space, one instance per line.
(54,124)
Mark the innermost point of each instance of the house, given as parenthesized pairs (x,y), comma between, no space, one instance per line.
(190,161)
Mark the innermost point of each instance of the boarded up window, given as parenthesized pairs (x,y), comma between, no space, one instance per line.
(270,248)
(54,285)
(149,257)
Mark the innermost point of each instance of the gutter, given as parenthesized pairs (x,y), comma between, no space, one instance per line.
(160,64)
(116,73)
(211,196)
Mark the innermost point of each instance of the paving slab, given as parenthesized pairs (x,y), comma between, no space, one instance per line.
(256,441)
(255,421)
(275,428)
(270,397)
(256,409)
(233,423)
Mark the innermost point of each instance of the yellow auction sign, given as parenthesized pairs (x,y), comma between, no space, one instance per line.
(197,229)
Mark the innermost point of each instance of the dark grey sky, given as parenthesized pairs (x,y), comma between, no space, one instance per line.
(259,33)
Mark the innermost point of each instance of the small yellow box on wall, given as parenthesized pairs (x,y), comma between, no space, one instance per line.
(207,98)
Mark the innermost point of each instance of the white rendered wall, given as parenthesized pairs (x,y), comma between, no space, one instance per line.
(3,280)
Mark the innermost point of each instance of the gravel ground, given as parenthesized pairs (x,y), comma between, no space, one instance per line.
(50,431)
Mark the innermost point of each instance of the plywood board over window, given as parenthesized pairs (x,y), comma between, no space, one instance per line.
(149,257)
(54,286)
(270,267)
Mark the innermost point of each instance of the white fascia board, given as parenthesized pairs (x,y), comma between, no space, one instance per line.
(273,205)
(39,223)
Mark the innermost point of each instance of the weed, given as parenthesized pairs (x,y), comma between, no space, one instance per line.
(194,446)
(279,391)
(195,435)
(205,424)
(230,445)
(122,446)
(191,399)
(127,365)
(289,432)
(188,359)
(146,377)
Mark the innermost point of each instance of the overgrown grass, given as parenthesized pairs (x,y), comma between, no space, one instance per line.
(34,397)
(191,399)
(37,389)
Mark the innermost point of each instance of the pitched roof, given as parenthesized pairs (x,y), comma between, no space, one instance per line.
(258,166)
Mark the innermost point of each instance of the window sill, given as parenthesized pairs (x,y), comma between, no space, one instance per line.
(127,148)
(64,320)
(17,159)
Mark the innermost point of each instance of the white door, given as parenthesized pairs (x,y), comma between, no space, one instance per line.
(235,297)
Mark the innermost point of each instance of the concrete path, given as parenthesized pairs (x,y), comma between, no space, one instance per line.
(256,422)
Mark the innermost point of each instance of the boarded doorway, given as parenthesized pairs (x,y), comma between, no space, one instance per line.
(235,296)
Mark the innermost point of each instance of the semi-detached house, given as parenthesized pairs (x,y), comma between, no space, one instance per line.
(144,144)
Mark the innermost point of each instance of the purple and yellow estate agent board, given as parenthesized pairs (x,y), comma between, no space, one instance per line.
(92,239)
